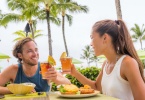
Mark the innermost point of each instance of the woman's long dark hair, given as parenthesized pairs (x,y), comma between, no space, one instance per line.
(121,38)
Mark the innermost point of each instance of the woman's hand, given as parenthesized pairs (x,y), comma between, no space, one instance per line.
(73,70)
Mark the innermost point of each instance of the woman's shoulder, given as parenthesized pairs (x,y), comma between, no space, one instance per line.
(128,60)
(129,64)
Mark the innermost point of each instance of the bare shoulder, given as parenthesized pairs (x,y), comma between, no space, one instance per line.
(12,70)
(128,65)
(129,62)
(8,74)
(13,67)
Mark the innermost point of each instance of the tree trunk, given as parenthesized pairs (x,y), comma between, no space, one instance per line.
(141,43)
(31,30)
(63,33)
(49,33)
(118,9)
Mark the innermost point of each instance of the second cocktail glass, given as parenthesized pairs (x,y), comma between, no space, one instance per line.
(66,64)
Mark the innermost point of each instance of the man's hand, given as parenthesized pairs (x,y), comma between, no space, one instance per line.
(51,74)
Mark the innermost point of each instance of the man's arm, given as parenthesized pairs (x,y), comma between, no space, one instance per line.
(5,77)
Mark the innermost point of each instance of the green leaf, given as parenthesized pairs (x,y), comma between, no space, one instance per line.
(61,89)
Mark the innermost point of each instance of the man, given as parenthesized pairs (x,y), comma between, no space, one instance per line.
(28,69)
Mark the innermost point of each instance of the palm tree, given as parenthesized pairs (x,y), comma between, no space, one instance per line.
(50,12)
(21,34)
(87,54)
(118,9)
(68,5)
(94,58)
(139,33)
(27,10)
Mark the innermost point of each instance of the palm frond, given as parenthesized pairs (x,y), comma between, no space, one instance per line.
(69,19)
(10,17)
(143,38)
(55,20)
(20,33)
(17,39)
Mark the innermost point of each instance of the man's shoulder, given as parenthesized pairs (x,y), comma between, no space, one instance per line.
(13,67)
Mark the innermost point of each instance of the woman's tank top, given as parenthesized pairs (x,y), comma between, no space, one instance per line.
(114,85)
(41,84)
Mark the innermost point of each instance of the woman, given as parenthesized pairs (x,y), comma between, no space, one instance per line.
(122,73)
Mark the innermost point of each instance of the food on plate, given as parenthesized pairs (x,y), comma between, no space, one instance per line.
(86,89)
(68,89)
(73,89)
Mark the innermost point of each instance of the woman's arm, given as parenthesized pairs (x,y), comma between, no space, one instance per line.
(130,72)
(60,79)
(94,84)
(81,78)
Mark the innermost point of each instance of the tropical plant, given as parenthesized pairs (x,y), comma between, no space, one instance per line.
(94,58)
(21,34)
(31,10)
(65,6)
(139,33)
(118,9)
(87,54)
(26,9)
(49,10)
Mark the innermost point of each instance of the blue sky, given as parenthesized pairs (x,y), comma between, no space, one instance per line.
(78,35)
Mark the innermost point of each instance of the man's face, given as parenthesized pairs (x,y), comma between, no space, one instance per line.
(30,53)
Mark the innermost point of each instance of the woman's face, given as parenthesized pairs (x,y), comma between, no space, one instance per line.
(98,43)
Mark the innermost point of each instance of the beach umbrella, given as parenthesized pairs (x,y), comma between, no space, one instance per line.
(76,61)
(4,56)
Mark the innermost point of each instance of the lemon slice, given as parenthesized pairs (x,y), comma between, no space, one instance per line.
(51,61)
(63,55)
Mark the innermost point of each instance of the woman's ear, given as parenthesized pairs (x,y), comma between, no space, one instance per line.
(105,37)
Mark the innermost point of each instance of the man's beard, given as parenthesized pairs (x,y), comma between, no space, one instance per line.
(29,62)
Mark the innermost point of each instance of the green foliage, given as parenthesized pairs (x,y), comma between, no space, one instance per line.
(89,72)
(54,87)
(143,61)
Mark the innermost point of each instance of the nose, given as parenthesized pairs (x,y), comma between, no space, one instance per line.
(35,53)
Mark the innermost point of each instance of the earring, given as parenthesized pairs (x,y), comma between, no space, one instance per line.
(117,50)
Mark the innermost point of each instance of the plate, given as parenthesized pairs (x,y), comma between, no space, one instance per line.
(77,95)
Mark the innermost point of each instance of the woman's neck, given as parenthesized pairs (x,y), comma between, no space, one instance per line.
(112,57)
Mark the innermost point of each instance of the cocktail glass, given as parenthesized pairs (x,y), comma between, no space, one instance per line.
(44,68)
(66,64)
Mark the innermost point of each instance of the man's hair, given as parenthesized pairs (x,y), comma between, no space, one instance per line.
(18,48)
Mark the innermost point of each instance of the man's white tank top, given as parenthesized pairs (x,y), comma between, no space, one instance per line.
(114,85)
